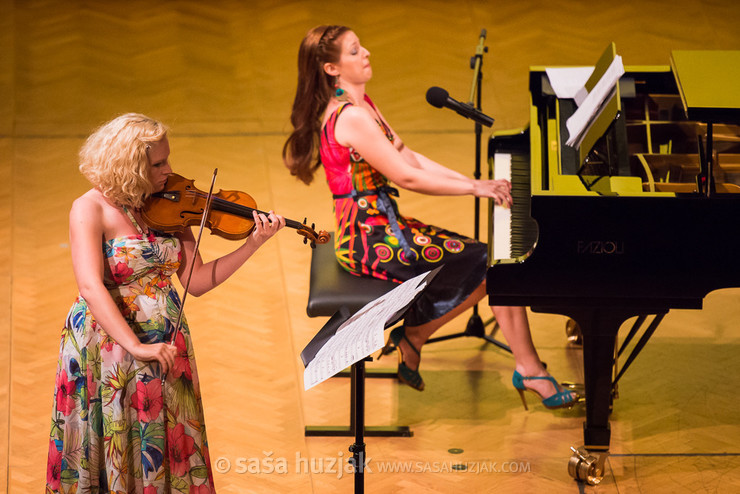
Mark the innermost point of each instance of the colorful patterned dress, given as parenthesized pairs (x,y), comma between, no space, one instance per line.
(115,427)
(371,237)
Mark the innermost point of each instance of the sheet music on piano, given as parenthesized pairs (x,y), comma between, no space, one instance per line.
(579,123)
(569,82)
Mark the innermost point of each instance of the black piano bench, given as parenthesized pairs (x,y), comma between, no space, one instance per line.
(330,288)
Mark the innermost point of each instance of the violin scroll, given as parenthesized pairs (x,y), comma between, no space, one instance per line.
(309,233)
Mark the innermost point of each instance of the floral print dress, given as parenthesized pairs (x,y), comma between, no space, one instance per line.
(116,427)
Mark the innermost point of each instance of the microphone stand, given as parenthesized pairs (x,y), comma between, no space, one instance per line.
(476,326)
(476,62)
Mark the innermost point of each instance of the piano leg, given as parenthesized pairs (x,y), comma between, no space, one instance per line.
(599,326)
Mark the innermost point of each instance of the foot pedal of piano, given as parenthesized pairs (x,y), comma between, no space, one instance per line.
(578,388)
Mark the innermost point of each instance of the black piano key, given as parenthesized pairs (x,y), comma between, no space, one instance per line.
(523,228)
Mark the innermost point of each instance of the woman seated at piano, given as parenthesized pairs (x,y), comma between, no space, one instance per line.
(362,156)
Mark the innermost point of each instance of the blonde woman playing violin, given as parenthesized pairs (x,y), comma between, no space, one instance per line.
(116,424)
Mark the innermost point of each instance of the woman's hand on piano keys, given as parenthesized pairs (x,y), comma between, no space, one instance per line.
(498,190)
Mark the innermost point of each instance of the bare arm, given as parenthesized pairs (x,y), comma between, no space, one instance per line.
(431,166)
(86,236)
(207,276)
(357,128)
(418,160)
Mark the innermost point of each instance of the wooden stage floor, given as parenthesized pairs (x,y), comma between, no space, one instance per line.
(222,75)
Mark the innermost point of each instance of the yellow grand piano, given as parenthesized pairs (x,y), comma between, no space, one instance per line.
(638,216)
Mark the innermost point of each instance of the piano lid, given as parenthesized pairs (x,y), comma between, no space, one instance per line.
(708,81)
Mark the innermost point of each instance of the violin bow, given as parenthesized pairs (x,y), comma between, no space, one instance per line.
(206,211)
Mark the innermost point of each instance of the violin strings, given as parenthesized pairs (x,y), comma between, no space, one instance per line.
(241,210)
(227,206)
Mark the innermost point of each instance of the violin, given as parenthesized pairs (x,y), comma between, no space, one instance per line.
(181,204)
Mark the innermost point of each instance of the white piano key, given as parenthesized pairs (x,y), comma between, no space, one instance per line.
(501,215)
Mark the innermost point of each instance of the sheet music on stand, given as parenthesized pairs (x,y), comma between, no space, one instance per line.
(594,103)
(331,351)
(569,82)
(595,91)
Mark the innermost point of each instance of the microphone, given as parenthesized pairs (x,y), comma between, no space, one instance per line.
(438,97)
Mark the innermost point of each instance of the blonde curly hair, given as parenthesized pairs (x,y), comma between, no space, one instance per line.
(114,158)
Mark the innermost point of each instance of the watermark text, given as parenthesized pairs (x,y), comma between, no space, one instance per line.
(344,464)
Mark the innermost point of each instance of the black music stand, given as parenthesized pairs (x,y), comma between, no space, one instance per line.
(357,373)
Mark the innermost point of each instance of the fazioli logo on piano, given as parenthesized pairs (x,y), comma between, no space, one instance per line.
(608,247)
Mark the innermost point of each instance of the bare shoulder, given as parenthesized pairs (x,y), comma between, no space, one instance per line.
(89,206)
(356,114)
(90,200)
(356,124)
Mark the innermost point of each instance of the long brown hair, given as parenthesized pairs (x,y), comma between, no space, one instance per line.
(313,93)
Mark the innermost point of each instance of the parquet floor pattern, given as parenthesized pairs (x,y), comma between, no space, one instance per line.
(222,75)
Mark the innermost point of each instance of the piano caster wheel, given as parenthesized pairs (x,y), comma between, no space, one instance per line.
(585,467)
(573,332)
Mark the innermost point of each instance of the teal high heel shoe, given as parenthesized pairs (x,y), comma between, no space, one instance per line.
(406,375)
(561,399)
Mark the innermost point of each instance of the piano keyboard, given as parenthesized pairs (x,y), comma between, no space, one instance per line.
(514,231)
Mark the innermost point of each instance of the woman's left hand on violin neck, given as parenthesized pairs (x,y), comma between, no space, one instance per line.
(265,226)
